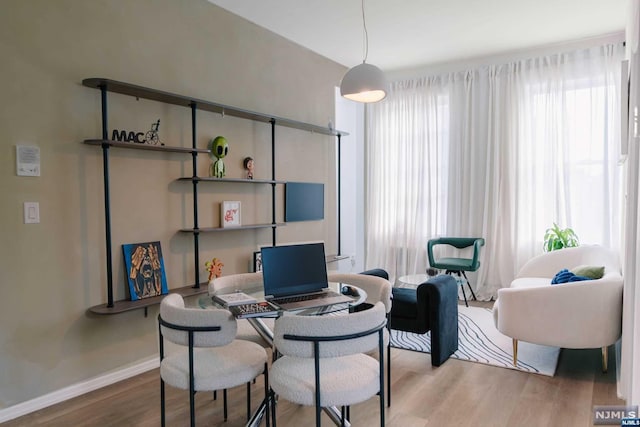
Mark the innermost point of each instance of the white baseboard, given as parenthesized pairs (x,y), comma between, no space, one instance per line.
(76,390)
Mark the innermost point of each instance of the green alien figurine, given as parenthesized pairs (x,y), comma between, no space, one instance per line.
(219,149)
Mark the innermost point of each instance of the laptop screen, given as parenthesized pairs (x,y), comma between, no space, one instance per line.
(294,269)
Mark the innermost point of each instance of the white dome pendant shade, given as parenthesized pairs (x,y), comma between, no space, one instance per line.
(364,83)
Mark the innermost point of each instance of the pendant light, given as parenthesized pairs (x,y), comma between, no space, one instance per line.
(364,82)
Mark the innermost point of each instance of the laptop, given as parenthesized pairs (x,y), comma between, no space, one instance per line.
(295,277)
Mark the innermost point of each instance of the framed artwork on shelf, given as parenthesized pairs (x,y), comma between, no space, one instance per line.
(230,214)
(145,270)
(257,261)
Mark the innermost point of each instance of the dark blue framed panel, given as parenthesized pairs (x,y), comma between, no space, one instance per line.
(303,201)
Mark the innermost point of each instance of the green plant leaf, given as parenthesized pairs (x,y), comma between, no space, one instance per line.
(556,238)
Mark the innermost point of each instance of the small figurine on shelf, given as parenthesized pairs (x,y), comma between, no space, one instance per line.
(214,267)
(152,137)
(248,166)
(219,148)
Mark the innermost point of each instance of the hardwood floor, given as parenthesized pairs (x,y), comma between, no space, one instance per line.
(455,394)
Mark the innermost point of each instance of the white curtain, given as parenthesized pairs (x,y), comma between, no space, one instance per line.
(500,152)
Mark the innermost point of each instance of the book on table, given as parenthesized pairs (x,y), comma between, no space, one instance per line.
(256,309)
(235,298)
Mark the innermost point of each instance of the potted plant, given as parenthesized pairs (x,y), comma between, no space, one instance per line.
(556,238)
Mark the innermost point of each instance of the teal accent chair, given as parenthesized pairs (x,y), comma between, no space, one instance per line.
(457,266)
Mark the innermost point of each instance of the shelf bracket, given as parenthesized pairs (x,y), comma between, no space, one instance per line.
(107,202)
(273,178)
(196,242)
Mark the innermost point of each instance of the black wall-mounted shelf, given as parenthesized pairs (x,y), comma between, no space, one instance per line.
(238,227)
(237,180)
(195,104)
(136,146)
(200,104)
(126,305)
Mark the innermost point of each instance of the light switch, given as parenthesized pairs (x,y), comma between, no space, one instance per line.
(31,212)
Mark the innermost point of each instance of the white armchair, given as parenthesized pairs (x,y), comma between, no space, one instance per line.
(584,314)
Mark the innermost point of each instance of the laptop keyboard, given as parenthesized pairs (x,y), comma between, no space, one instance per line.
(298,298)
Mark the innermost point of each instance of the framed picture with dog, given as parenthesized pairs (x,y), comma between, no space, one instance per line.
(145,270)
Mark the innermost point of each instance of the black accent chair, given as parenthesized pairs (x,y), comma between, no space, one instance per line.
(433,306)
(377,272)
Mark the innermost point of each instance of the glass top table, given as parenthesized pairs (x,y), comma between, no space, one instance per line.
(358,296)
(415,280)
(412,280)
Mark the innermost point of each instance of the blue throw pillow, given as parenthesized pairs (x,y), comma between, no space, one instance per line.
(565,276)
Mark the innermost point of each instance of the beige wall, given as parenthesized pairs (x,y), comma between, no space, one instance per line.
(51,272)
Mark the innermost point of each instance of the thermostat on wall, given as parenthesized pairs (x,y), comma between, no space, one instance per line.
(27,160)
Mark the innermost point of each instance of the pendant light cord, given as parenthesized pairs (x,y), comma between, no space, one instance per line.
(366,36)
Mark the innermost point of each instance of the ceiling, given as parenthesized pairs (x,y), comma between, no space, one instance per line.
(407,34)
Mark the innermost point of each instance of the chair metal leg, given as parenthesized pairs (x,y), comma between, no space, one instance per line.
(224,400)
(162,408)
(469,285)
(515,352)
(248,400)
(389,372)
(192,395)
(457,273)
(382,422)
(192,408)
(267,396)
(318,409)
(381,376)
(605,359)
(272,401)
(162,394)
(464,294)
(316,362)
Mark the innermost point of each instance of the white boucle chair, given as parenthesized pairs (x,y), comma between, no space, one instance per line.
(209,357)
(585,314)
(323,359)
(245,282)
(377,289)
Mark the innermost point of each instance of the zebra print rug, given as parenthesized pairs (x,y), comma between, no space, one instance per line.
(479,341)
